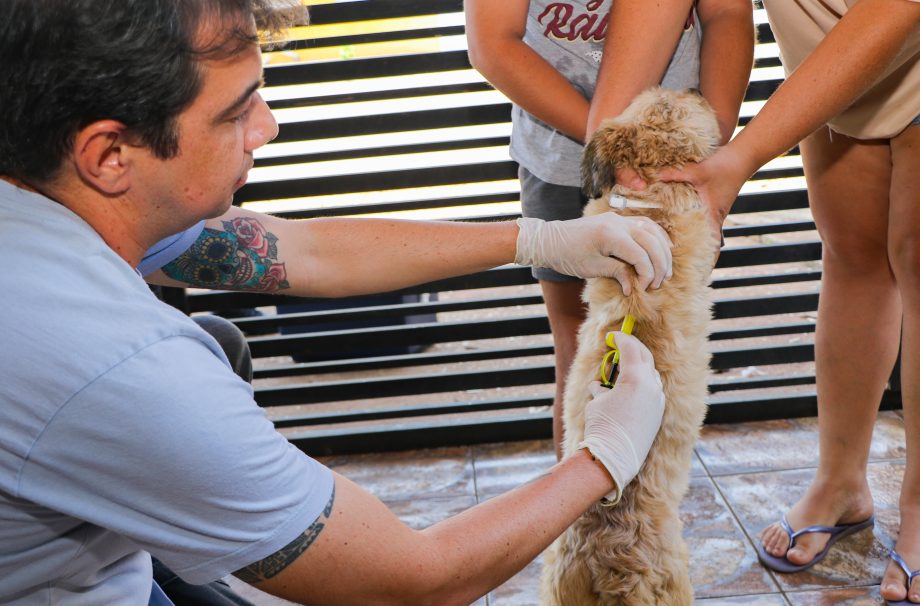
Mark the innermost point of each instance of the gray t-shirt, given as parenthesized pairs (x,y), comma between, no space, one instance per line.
(123,430)
(570,36)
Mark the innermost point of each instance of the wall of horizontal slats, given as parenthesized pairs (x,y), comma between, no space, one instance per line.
(380,114)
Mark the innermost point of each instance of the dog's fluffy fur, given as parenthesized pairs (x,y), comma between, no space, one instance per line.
(632,553)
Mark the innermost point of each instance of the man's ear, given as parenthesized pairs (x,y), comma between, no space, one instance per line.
(102,156)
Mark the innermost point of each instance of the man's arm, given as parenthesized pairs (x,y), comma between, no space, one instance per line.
(842,67)
(336,257)
(362,554)
(358,552)
(726,57)
(333,257)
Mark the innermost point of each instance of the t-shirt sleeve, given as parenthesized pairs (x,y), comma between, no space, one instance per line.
(169,449)
(168,249)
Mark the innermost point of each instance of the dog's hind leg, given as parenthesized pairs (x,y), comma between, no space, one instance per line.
(668,583)
(564,582)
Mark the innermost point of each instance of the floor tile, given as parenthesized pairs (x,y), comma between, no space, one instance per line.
(502,467)
(885,484)
(784,444)
(722,560)
(854,596)
(759,470)
(396,476)
(760,499)
(523,589)
(696,466)
(760,446)
(772,599)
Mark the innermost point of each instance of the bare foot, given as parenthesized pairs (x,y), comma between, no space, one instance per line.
(894,584)
(822,505)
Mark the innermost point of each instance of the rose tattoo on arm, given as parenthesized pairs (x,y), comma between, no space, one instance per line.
(244,256)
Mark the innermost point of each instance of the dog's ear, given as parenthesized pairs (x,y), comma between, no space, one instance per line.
(611,146)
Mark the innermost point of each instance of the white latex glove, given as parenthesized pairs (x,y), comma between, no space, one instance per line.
(604,245)
(621,423)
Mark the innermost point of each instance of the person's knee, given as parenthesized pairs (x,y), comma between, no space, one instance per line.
(904,256)
(232,341)
(854,253)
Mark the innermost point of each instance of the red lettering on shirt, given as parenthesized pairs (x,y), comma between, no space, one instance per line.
(559,20)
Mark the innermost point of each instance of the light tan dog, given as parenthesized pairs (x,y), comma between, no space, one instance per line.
(632,553)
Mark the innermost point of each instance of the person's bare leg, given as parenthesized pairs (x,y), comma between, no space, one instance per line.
(904,252)
(566,312)
(859,317)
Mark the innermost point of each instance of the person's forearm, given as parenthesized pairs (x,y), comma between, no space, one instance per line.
(336,257)
(499,53)
(842,67)
(641,38)
(726,58)
(339,257)
(477,544)
(450,563)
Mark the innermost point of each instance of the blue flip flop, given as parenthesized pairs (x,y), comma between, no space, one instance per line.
(910,577)
(781,564)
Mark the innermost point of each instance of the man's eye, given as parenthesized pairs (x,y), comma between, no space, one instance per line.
(245,113)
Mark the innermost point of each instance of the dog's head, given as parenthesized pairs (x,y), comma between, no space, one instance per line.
(660,128)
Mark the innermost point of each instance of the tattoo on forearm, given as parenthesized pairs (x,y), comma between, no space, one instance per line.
(281,559)
(241,257)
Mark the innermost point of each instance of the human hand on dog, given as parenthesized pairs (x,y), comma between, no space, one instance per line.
(628,177)
(604,245)
(717,180)
(621,423)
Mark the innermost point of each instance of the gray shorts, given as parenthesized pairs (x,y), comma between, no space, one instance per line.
(916,121)
(549,202)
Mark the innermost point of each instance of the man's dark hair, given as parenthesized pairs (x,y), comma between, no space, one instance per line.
(65,64)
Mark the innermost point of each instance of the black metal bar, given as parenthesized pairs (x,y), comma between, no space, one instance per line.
(765,306)
(376,152)
(407,412)
(769,228)
(496,113)
(375,37)
(377,181)
(762,331)
(415,334)
(765,254)
(746,384)
(509,275)
(336,391)
(333,71)
(762,356)
(401,361)
(338,12)
(399,310)
(802,276)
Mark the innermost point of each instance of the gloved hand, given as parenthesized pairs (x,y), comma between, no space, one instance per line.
(621,423)
(599,245)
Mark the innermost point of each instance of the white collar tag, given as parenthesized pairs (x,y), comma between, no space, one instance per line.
(618,201)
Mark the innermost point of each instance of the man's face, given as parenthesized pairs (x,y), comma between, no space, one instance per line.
(218,133)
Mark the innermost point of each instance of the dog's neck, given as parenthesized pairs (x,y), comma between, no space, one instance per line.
(621,202)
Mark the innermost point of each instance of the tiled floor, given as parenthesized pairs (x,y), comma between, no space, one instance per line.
(744,477)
